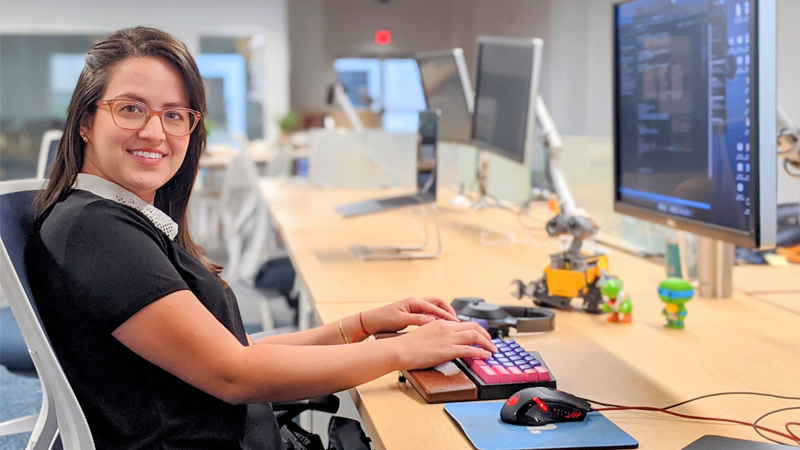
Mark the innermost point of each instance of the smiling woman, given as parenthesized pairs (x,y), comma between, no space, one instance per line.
(149,336)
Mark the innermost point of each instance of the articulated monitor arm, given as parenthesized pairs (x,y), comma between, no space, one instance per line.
(789,143)
(552,140)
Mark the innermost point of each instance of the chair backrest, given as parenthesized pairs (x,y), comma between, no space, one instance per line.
(47,153)
(61,411)
(244,218)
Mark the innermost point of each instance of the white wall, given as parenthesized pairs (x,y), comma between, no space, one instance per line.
(187,21)
(789,84)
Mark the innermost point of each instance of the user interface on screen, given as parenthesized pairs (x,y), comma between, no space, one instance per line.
(502,97)
(684,102)
(444,91)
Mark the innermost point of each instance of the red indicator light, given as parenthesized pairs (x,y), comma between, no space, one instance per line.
(383,37)
(540,403)
(513,400)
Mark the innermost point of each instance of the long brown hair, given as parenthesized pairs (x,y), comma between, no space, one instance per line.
(173,197)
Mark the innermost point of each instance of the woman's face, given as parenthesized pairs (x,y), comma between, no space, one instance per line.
(116,154)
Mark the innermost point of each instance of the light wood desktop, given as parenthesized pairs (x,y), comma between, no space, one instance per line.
(741,344)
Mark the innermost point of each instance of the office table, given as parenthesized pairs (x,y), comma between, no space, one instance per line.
(745,343)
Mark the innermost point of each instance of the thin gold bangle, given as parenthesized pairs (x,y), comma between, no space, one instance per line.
(341,329)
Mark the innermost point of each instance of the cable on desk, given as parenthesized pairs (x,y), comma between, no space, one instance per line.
(791,436)
(758,428)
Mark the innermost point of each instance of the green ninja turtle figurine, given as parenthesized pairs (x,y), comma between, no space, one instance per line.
(618,304)
(674,292)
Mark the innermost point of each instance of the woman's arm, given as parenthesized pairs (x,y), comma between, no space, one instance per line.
(389,318)
(178,334)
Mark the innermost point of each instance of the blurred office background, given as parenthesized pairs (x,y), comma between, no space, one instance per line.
(262,58)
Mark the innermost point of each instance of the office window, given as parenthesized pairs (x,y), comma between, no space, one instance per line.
(391,86)
(234,77)
(38,73)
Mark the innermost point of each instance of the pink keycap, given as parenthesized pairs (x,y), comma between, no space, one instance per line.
(531,375)
(505,377)
(516,375)
(544,374)
(487,374)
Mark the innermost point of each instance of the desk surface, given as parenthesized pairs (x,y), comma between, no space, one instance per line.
(744,343)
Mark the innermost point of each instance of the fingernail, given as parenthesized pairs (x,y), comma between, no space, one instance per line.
(429,319)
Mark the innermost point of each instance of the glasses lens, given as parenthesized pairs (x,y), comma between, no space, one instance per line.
(129,115)
(178,122)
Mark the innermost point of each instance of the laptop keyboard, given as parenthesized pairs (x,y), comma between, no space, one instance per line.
(400,201)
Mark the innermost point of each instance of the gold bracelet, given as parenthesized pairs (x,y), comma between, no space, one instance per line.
(341,328)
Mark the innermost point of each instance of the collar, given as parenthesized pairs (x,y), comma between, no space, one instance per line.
(114,192)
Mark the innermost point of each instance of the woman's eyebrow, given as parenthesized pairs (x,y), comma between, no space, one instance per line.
(133,96)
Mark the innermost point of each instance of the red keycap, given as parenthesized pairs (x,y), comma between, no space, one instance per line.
(505,377)
(476,362)
(487,374)
(544,374)
(531,375)
(516,375)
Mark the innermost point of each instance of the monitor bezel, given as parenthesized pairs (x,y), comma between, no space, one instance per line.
(536,45)
(763,158)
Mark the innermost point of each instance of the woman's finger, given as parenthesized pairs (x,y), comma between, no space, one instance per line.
(426,307)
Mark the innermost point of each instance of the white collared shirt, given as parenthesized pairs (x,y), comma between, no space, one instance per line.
(114,192)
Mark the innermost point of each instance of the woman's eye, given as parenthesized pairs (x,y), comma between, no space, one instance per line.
(174,115)
(131,109)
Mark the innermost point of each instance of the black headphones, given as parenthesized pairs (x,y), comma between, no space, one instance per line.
(499,319)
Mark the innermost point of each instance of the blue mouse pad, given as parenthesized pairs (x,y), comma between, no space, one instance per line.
(480,422)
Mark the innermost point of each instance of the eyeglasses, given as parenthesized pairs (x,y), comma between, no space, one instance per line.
(133,115)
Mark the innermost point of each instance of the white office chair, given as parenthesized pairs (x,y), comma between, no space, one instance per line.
(61,413)
(47,152)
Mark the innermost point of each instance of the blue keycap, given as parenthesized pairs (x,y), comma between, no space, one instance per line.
(492,362)
(515,358)
(525,367)
(514,345)
(501,359)
(497,341)
(510,341)
(509,364)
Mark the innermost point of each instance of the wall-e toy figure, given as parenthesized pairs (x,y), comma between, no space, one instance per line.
(570,273)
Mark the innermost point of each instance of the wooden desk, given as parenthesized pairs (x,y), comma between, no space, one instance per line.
(738,344)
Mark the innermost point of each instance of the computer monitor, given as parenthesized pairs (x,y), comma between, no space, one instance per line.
(506,88)
(445,81)
(47,153)
(695,106)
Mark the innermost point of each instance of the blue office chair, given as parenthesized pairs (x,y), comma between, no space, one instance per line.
(61,413)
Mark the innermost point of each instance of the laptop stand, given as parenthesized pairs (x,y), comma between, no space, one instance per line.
(384,252)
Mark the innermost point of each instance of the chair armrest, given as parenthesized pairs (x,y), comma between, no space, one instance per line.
(286,411)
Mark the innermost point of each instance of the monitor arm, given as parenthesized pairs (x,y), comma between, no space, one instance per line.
(552,141)
(789,143)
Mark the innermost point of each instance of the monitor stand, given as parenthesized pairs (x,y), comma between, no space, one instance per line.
(715,267)
(384,252)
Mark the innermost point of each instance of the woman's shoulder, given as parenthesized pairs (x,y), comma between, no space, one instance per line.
(87,214)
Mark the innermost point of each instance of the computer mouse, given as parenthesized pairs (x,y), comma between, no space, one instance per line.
(543,405)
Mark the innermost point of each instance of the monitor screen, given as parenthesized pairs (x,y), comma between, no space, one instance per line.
(426,151)
(686,122)
(505,92)
(447,88)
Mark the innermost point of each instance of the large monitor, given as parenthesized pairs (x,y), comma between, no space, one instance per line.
(446,84)
(506,87)
(694,125)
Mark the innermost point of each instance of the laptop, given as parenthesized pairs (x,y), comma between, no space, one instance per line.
(426,174)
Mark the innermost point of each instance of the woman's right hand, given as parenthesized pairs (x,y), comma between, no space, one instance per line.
(440,341)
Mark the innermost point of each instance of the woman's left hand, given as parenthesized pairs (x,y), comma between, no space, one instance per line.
(411,311)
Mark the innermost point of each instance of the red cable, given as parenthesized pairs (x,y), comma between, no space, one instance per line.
(794,424)
(789,436)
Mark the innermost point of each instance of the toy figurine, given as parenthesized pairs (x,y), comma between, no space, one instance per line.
(675,292)
(618,303)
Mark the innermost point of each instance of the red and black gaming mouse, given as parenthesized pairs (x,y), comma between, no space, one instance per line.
(543,405)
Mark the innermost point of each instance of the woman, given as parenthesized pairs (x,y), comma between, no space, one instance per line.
(148,335)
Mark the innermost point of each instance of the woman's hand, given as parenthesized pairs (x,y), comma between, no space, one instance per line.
(441,341)
(411,311)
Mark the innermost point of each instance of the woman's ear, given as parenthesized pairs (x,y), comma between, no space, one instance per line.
(84,131)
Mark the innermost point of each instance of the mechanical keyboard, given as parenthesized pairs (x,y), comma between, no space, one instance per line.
(510,369)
